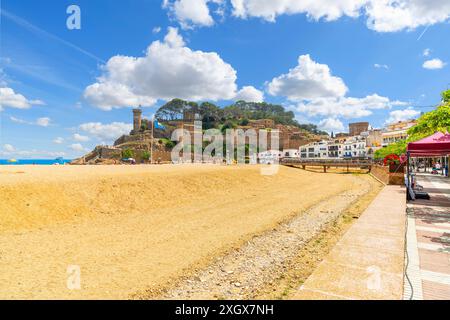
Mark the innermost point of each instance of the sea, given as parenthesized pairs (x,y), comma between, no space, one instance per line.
(40,162)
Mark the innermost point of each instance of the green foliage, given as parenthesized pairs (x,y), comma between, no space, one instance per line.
(312,128)
(260,110)
(146,155)
(167,143)
(127,153)
(397,148)
(228,125)
(238,113)
(174,109)
(244,122)
(210,114)
(430,123)
(446,96)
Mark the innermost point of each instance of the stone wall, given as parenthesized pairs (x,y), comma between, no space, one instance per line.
(358,127)
(133,138)
(109,153)
(163,156)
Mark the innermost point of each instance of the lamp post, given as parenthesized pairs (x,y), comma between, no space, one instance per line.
(151,140)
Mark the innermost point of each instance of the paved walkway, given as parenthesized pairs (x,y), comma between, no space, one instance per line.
(367,263)
(428,241)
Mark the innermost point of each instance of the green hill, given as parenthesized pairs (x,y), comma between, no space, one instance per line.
(231,116)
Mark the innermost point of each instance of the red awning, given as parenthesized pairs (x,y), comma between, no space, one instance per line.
(436,145)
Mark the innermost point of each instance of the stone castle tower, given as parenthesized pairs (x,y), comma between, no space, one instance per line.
(137,121)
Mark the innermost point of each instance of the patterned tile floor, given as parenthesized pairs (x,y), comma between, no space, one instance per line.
(428,242)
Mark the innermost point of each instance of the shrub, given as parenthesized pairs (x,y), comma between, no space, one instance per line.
(391,159)
(244,122)
(127,153)
(167,143)
(397,148)
(146,155)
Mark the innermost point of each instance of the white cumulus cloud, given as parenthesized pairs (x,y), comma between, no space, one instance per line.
(58,140)
(331,125)
(9,98)
(43,122)
(9,148)
(314,9)
(397,15)
(80,138)
(308,80)
(317,92)
(433,64)
(108,132)
(77,147)
(191,13)
(168,70)
(347,107)
(381,15)
(402,115)
(250,94)
(381,66)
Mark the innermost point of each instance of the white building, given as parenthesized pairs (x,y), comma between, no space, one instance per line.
(343,148)
(315,150)
(291,153)
(363,145)
(355,147)
(336,148)
(396,132)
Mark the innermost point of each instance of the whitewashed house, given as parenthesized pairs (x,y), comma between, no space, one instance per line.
(315,150)
(291,153)
(355,147)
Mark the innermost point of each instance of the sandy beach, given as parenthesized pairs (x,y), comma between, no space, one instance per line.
(134,229)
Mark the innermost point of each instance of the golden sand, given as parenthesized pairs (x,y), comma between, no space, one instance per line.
(134,228)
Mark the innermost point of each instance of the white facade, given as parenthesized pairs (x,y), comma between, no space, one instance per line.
(336,149)
(355,147)
(361,146)
(396,132)
(291,153)
(315,150)
(351,147)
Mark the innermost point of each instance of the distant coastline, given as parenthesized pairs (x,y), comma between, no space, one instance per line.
(41,162)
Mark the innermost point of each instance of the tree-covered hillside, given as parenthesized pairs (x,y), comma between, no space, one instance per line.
(233,115)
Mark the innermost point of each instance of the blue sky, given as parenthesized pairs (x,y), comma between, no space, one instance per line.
(330,65)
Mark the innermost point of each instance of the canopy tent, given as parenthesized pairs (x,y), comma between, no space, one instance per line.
(436,145)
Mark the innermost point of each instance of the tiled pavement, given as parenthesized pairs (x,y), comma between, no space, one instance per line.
(367,263)
(428,242)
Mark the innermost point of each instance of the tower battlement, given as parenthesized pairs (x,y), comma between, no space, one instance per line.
(137,121)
